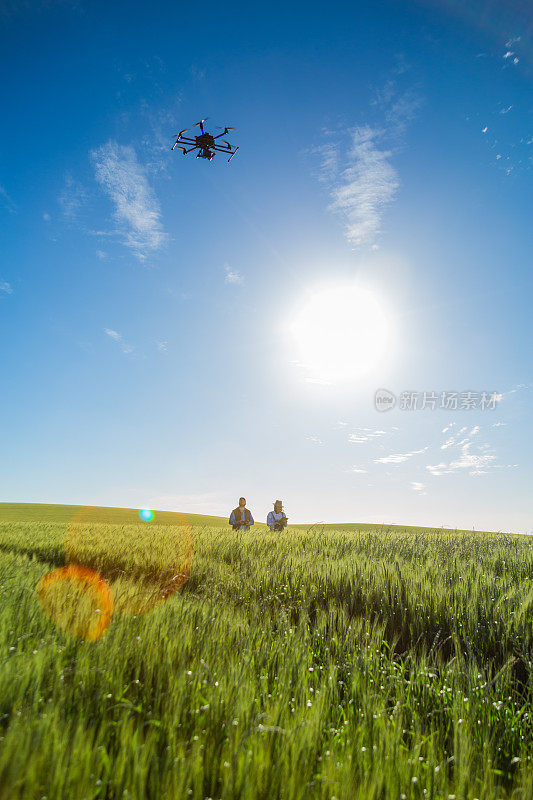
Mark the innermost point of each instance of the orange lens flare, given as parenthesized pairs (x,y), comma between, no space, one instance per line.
(132,579)
(91,583)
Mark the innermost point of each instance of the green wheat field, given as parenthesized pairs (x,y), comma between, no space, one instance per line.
(354,662)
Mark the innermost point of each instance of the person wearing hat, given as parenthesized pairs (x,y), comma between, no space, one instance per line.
(241,517)
(277,519)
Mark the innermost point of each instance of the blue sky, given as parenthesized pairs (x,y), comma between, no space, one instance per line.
(163,342)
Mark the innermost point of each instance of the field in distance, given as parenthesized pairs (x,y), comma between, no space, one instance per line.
(38,512)
(355,662)
(61,514)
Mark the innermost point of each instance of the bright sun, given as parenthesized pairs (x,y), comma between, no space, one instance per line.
(340,333)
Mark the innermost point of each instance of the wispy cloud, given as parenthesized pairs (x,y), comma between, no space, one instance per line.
(470,457)
(401,111)
(365,187)
(511,56)
(362,181)
(162,346)
(317,381)
(365,435)
(399,458)
(475,463)
(72,197)
(358,470)
(328,154)
(418,487)
(118,338)
(196,72)
(314,439)
(137,209)
(6,201)
(6,287)
(232,276)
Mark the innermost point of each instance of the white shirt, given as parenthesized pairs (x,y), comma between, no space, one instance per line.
(274,516)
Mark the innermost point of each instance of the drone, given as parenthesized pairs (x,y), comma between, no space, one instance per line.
(205,143)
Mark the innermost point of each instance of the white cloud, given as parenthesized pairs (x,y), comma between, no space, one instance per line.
(475,463)
(118,338)
(401,110)
(363,182)
(6,201)
(416,486)
(318,381)
(476,459)
(314,439)
(162,346)
(6,287)
(366,186)
(365,435)
(358,470)
(137,209)
(198,73)
(232,276)
(399,458)
(72,196)
(471,457)
(454,439)
(101,254)
(329,161)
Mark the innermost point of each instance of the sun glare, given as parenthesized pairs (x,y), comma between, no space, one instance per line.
(340,333)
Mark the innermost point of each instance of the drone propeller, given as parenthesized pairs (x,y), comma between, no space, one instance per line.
(227,144)
(201,122)
(183,131)
(225,128)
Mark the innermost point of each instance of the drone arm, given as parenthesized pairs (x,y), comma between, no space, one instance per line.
(181,142)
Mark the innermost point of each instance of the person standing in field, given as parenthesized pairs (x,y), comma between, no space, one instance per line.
(277,519)
(241,517)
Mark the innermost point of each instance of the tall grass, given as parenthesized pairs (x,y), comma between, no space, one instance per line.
(348,664)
